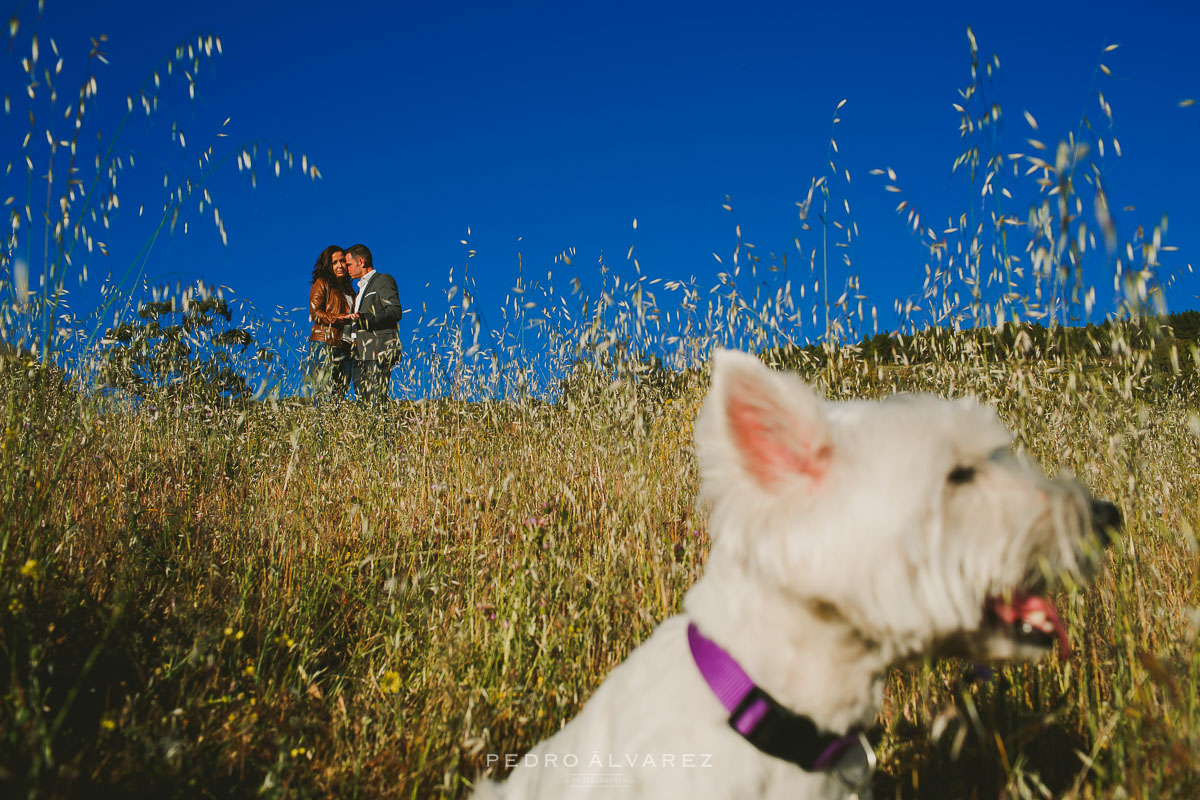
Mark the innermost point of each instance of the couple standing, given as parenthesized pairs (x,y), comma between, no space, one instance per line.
(354,341)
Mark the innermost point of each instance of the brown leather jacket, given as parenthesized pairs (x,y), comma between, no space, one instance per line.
(325,304)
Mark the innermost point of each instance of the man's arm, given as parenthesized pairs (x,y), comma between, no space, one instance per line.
(387,304)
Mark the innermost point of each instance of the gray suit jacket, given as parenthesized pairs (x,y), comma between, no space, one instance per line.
(375,336)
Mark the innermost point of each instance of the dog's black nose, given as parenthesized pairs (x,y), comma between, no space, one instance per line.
(1106,520)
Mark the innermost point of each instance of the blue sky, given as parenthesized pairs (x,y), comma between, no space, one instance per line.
(550,127)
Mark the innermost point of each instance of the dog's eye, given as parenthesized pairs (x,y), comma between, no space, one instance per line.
(960,475)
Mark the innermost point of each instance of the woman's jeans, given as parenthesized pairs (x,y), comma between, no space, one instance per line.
(328,371)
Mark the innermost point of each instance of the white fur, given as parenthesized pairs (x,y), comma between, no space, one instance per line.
(839,548)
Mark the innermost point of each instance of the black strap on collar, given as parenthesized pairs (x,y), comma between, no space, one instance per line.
(785,734)
(775,730)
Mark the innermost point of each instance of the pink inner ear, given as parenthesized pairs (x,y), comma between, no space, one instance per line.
(774,446)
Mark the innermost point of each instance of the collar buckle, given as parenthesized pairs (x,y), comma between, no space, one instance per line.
(856,768)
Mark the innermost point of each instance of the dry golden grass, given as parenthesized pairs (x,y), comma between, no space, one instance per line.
(328,601)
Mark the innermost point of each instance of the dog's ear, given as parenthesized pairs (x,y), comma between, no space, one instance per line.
(773,421)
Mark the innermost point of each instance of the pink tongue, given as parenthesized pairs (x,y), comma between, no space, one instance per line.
(1038,612)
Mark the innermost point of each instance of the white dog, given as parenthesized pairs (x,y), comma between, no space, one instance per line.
(846,537)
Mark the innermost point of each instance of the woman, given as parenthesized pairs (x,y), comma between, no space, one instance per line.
(329,300)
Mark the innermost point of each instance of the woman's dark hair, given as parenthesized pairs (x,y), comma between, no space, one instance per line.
(324,269)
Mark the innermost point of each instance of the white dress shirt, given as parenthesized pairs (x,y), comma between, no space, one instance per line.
(362,289)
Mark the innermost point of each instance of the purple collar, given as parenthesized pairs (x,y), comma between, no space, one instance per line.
(775,730)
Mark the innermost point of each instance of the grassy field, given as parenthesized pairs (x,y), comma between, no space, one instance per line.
(210,597)
(296,601)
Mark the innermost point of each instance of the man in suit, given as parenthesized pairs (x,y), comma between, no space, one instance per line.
(375,343)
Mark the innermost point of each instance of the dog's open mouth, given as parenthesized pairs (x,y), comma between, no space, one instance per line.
(1028,619)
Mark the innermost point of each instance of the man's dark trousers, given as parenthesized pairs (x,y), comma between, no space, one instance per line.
(371,379)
